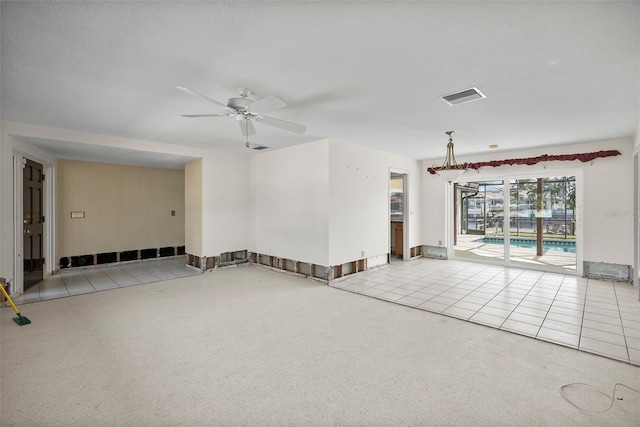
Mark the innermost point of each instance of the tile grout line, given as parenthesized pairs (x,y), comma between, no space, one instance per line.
(440,293)
(475,289)
(628,360)
(485,304)
(460,299)
(606,342)
(64,282)
(624,335)
(120,270)
(89,282)
(551,305)
(518,305)
(584,305)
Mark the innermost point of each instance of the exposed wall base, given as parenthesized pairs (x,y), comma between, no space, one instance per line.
(608,271)
(223,260)
(310,270)
(439,252)
(320,272)
(118,257)
(416,252)
(346,269)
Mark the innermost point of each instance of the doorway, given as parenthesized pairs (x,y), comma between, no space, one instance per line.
(32,222)
(397,214)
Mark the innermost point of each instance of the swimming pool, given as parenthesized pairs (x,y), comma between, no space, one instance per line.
(547,245)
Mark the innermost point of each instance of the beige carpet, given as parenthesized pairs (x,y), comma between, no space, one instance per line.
(250,346)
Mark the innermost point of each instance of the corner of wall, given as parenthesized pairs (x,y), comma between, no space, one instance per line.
(636,139)
(193,207)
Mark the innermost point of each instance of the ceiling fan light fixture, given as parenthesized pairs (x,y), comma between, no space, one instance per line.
(245,111)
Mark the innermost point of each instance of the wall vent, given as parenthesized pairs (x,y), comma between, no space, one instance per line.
(438,252)
(607,271)
(463,96)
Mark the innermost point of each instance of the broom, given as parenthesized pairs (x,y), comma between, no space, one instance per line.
(20,320)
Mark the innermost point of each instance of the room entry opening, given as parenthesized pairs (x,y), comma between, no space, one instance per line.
(536,228)
(397,205)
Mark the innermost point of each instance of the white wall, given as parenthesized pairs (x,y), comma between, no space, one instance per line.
(290,193)
(226,203)
(193,207)
(433,202)
(359,201)
(636,191)
(606,208)
(327,202)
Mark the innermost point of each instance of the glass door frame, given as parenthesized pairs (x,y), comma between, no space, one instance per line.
(506,179)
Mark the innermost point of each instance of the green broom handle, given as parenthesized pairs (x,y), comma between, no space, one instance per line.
(6,295)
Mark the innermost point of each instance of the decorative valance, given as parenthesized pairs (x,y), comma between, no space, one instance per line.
(583,157)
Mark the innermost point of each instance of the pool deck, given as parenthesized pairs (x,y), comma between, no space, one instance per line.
(468,247)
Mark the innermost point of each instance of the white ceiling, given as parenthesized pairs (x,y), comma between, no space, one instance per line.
(366,72)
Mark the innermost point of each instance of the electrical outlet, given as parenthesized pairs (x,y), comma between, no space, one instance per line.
(173,213)
(362,254)
(439,242)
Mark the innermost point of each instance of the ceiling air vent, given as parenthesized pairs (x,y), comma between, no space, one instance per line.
(260,147)
(463,96)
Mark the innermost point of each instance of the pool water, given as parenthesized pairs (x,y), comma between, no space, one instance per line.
(547,245)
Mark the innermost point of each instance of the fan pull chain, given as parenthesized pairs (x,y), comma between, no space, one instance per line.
(246,132)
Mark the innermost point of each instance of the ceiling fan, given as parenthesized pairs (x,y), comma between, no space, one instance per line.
(245,111)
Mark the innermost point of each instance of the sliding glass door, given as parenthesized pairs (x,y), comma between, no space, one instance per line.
(479,213)
(542,214)
(540,219)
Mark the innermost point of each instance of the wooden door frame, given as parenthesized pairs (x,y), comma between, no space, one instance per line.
(48,210)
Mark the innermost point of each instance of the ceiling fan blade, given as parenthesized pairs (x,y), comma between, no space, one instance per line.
(190,92)
(247,128)
(282,124)
(267,103)
(204,115)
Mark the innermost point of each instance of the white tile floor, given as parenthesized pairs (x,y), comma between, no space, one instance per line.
(591,315)
(76,281)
